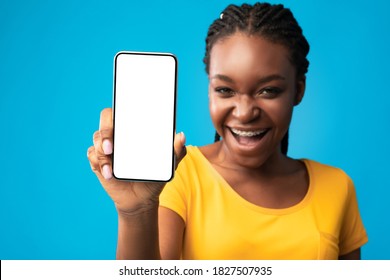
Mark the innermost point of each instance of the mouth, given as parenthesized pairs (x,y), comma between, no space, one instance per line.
(248,137)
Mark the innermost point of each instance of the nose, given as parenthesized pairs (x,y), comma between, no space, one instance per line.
(246,109)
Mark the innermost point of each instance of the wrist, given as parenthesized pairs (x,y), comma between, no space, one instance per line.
(140,210)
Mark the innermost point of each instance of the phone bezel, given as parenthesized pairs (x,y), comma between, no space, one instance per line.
(173,160)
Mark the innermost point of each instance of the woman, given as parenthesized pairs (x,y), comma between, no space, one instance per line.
(240,197)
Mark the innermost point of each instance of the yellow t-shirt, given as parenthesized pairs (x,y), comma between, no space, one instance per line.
(220,224)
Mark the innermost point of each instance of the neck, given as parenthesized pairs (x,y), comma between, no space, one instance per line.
(260,165)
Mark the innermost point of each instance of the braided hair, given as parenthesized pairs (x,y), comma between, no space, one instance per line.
(272,22)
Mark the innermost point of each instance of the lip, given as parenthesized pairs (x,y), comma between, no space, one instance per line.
(249,130)
(249,143)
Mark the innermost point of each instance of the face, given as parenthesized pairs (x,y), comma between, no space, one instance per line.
(252,91)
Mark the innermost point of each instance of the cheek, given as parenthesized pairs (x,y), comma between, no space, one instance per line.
(280,114)
(219,110)
(214,110)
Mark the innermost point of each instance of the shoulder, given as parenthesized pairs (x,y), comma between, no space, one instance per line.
(322,170)
(329,179)
(199,156)
(192,165)
(192,176)
(193,157)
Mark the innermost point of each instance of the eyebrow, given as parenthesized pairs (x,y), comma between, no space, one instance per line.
(262,80)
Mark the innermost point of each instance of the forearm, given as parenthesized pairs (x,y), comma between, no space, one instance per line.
(138,235)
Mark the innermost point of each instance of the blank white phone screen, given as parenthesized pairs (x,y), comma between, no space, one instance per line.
(144,116)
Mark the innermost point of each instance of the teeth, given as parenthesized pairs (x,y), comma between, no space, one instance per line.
(247,133)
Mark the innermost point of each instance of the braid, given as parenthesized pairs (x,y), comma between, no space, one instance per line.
(284,144)
(217,137)
(273,22)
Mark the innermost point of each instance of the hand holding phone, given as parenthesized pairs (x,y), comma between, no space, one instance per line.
(128,196)
(144,116)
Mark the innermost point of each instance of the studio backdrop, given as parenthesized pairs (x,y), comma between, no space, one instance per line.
(56,75)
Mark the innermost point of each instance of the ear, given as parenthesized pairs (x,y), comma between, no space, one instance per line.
(300,90)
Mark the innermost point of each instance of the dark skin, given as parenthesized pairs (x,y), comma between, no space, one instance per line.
(256,90)
(253,90)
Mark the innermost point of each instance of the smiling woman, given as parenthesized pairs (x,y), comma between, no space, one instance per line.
(253,88)
(241,197)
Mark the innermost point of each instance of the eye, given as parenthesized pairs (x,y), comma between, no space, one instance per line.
(269,92)
(224,91)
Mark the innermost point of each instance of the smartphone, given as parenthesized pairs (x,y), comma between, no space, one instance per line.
(144,105)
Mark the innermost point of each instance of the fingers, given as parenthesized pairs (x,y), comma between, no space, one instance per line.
(106,131)
(92,159)
(104,143)
(100,163)
(99,154)
(179,146)
(103,161)
(95,165)
(105,118)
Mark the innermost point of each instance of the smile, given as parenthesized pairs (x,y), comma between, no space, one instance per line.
(249,139)
(245,133)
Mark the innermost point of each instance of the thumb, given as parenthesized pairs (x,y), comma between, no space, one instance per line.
(179,146)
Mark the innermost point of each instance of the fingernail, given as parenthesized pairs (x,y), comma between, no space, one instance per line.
(107,147)
(183,138)
(106,172)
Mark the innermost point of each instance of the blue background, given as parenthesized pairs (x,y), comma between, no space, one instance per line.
(56,61)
